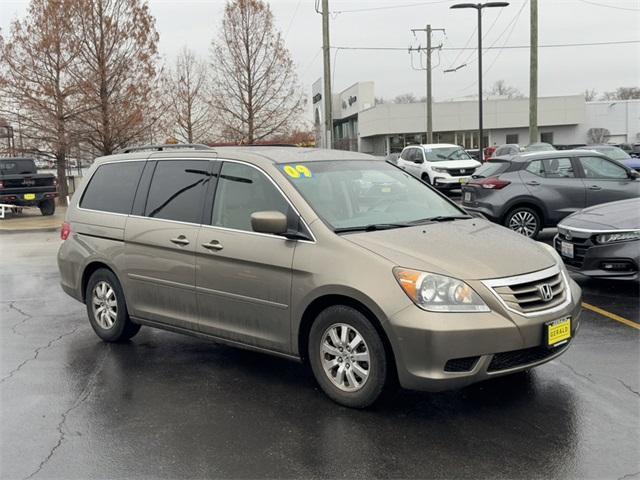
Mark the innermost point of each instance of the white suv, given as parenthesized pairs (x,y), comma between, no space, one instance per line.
(443,165)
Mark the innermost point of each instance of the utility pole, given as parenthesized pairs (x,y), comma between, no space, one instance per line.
(326,49)
(533,75)
(429,113)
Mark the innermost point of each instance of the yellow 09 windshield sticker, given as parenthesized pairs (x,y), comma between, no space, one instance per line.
(297,171)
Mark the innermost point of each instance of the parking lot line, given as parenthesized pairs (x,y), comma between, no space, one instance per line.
(612,316)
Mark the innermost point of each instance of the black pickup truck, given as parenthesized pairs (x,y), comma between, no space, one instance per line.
(21,185)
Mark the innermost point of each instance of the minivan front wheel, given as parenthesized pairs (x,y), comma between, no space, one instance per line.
(107,309)
(523,220)
(347,356)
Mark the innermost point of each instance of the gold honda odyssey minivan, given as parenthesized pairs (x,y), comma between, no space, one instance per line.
(329,257)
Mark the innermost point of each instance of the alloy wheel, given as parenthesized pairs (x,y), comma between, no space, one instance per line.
(345,357)
(104,304)
(524,223)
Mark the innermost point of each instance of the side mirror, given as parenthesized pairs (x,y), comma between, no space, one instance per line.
(269,222)
(419,160)
(633,174)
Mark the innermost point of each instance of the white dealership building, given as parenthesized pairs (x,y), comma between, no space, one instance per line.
(360,124)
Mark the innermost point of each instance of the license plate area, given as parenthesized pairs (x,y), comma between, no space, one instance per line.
(467,197)
(557,332)
(29,196)
(566,249)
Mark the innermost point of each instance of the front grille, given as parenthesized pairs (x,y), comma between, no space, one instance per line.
(461,364)
(580,247)
(519,358)
(528,296)
(461,172)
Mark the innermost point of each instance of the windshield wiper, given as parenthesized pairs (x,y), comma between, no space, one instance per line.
(372,227)
(441,218)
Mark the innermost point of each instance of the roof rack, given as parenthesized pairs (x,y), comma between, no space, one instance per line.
(161,148)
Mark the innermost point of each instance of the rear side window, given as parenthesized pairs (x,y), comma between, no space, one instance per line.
(112,187)
(552,168)
(17,166)
(177,190)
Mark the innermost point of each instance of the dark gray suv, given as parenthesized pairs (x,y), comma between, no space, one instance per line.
(531,191)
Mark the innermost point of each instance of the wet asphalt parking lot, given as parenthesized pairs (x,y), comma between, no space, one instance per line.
(172,406)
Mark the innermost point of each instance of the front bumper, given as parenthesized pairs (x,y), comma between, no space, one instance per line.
(441,351)
(447,181)
(615,261)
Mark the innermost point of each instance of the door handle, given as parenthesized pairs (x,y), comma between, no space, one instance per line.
(181,240)
(213,245)
(533,183)
(594,187)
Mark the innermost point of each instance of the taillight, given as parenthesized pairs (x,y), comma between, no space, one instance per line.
(492,183)
(65,231)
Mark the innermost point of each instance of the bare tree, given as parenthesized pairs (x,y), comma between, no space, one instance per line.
(188,109)
(405,98)
(501,89)
(597,135)
(255,88)
(590,95)
(622,93)
(117,42)
(36,87)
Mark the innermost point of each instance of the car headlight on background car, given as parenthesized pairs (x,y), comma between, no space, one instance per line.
(618,237)
(439,170)
(437,293)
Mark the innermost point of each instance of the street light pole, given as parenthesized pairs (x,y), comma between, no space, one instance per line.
(479,7)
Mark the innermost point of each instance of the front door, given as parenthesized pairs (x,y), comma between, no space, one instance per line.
(160,244)
(554,182)
(243,278)
(607,182)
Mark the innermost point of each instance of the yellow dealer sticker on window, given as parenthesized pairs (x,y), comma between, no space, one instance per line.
(297,171)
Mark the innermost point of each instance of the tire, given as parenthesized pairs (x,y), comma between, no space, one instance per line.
(107,309)
(425,178)
(361,381)
(47,207)
(523,220)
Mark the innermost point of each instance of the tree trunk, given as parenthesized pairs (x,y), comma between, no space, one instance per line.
(61,170)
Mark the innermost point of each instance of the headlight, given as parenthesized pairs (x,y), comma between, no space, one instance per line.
(618,237)
(437,293)
(439,170)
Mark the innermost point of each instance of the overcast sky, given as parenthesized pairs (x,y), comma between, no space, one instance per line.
(387,23)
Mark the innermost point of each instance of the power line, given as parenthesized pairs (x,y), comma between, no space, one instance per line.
(610,6)
(387,7)
(504,47)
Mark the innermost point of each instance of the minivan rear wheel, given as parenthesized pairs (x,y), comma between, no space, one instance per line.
(523,220)
(107,309)
(347,356)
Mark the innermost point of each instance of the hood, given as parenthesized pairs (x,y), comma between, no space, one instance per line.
(624,214)
(471,249)
(456,164)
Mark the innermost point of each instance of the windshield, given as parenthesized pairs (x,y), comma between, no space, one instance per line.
(613,153)
(356,194)
(489,169)
(445,153)
(17,167)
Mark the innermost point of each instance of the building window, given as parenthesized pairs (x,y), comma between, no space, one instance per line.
(512,138)
(546,137)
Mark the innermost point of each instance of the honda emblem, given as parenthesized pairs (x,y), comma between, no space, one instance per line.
(545,292)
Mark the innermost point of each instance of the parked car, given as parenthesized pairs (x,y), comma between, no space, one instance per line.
(615,153)
(507,150)
(21,185)
(602,241)
(330,257)
(530,191)
(442,165)
(539,147)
